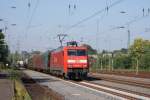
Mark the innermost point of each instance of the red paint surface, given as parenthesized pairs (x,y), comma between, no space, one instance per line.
(37,61)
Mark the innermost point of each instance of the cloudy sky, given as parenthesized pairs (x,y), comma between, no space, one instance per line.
(104,24)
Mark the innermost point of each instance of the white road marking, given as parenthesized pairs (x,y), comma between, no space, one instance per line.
(117,91)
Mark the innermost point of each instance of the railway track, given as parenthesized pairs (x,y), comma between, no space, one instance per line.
(124,93)
(122,80)
(122,89)
(127,93)
(109,90)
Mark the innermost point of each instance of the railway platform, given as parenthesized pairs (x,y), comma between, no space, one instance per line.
(70,90)
(6,89)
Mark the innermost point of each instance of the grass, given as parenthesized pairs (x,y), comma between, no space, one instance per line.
(20,91)
(11,73)
(15,75)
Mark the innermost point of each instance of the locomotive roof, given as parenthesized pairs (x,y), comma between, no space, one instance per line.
(78,47)
(68,47)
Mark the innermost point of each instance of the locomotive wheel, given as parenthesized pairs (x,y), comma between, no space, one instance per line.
(64,76)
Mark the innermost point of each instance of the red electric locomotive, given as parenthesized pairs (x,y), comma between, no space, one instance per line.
(71,61)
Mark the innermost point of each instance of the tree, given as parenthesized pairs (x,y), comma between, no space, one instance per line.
(136,51)
(145,58)
(3,48)
(122,61)
(1,38)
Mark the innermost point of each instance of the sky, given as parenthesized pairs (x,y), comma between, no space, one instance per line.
(37,26)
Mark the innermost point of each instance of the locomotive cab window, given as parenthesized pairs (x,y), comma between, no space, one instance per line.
(81,52)
(76,52)
(71,52)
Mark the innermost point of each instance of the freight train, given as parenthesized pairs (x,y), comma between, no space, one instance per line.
(69,61)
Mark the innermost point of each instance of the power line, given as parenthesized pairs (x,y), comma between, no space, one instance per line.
(136,20)
(93,15)
(31,18)
(126,24)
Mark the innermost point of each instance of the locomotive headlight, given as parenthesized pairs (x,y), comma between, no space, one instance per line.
(77,61)
(83,61)
(71,61)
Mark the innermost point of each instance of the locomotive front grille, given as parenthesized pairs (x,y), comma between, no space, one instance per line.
(74,70)
(78,73)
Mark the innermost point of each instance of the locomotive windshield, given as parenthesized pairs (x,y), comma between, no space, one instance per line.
(76,52)
(71,52)
(81,52)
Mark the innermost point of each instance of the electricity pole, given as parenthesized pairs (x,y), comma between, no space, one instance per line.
(128,43)
(97,63)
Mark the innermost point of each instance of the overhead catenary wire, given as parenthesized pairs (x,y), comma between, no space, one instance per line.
(28,7)
(93,15)
(127,24)
(29,4)
(31,18)
(136,20)
(104,10)
(107,4)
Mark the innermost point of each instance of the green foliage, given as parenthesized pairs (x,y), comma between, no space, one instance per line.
(4,51)
(122,61)
(140,51)
(105,61)
(136,58)
(2,35)
(145,61)
(137,49)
